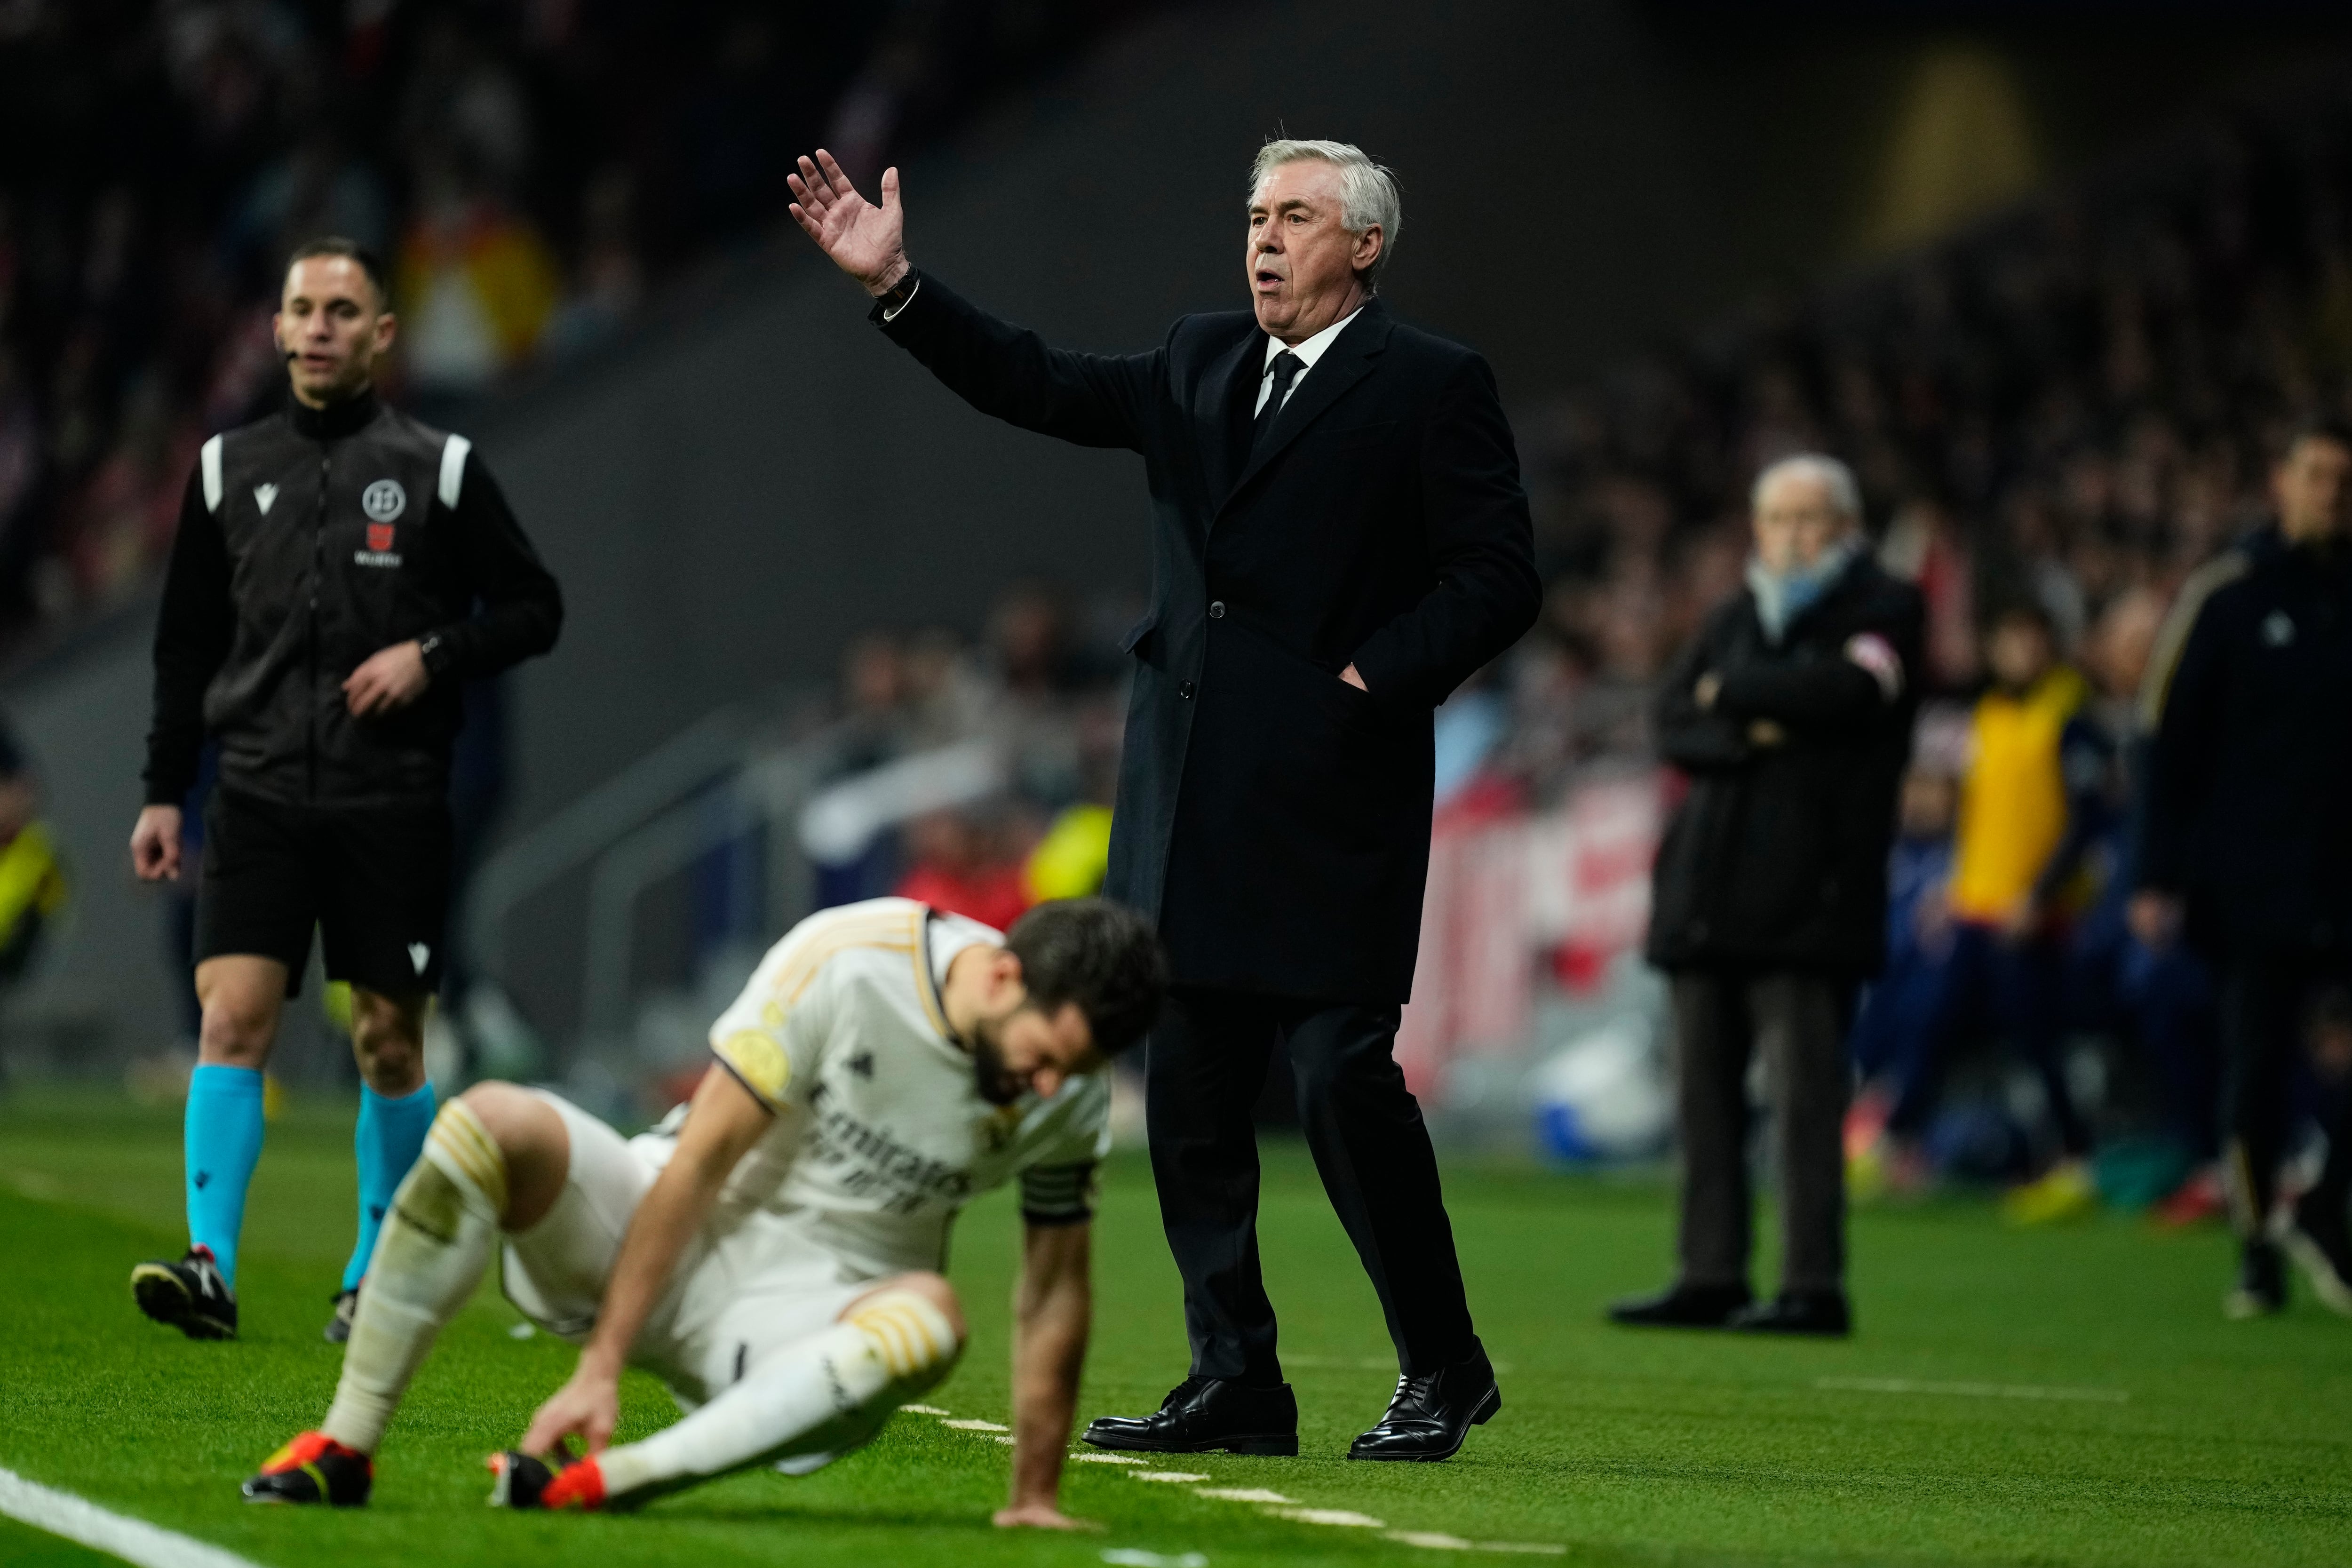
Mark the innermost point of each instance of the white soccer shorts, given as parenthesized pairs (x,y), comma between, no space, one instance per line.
(758,1286)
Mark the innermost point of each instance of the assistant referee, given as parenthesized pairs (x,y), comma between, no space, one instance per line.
(339,571)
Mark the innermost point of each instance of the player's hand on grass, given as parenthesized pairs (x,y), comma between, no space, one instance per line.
(867,242)
(1039,1516)
(155,844)
(587,1408)
(392,677)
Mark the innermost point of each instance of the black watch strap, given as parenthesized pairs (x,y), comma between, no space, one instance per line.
(894,298)
(435,650)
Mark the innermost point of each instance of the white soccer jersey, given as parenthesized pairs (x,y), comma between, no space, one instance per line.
(880,1133)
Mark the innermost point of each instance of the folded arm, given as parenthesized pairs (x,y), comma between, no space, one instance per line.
(1696,737)
(1481,546)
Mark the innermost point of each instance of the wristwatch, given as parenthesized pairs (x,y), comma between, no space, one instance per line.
(435,650)
(894,298)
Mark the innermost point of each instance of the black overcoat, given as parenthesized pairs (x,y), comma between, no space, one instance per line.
(1271,818)
(1776,859)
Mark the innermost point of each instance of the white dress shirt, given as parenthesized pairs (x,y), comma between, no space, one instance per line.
(1310,350)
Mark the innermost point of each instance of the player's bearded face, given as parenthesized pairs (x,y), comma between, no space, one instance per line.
(992,1073)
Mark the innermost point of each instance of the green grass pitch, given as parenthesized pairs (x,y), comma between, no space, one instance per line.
(2184,1439)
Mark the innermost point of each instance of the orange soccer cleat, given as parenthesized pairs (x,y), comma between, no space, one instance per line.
(313,1467)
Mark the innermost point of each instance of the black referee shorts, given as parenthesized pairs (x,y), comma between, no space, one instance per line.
(374,880)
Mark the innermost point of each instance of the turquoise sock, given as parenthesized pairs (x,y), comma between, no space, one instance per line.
(389,1136)
(220,1143)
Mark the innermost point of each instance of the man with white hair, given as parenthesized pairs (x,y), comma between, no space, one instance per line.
(1340,539)
(1791,714)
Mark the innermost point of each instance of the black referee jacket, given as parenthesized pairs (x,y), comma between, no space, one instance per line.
(308,542)
(2248,706)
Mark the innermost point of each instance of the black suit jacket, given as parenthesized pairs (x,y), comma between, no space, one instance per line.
(1273,819)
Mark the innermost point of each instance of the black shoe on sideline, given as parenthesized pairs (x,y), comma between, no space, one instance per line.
(1205,1415)
(1431,1414)
(2315,1237)
(1683,1307)
(1822,1313)
(2260,1289)
(338,1331)
(190,1295)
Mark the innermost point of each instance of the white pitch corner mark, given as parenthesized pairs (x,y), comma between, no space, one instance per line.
(132,1539)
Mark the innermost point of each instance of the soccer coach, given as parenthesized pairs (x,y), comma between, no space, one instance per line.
(319,616)
(1340,539)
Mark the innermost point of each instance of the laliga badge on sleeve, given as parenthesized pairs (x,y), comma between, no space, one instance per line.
(765,1069)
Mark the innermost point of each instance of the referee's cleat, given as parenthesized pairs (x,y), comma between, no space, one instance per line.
(521,1481)
(2260,1289)
(313,1469)
(338,1331)
(190,1295)
(2315,1237)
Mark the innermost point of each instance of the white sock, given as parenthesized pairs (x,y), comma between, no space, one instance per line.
(436,1242)
(830,1391)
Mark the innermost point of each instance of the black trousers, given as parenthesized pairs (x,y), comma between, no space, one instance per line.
(1798,1023)
(1203,1067)
(2265,1001)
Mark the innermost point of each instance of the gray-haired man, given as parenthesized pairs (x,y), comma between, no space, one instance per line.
(1791,714)
(1340,538)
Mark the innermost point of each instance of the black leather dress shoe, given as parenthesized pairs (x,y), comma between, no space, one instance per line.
(1822,1312)
(1431,1414)
(1684,1306)
(1205,1416)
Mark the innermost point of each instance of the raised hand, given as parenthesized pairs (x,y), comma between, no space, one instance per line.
(867,242)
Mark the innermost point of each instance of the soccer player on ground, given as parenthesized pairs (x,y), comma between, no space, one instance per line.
(770,1251)
(340,571)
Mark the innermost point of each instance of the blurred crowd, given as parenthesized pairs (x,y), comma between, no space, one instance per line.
(532,169)
(979,777)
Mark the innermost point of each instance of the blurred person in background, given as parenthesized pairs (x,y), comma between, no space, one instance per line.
(1370,550)
(33,888)
(2246,840)
(2157,1002)
(319,620)
(1898,1012)
(1790,714)
(2033,799)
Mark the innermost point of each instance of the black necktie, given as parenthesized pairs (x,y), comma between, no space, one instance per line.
(1287,366)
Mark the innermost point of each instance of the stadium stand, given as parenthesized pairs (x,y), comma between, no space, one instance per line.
(535,172)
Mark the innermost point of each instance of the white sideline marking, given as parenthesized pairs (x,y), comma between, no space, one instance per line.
(1106,1459)
(1435,1540)
(1346,1518)
(927,1410)
(1243,1494)
(975,1426)
(1972,1390)
(132,1539)
(1133,1557)
(1178,1476)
